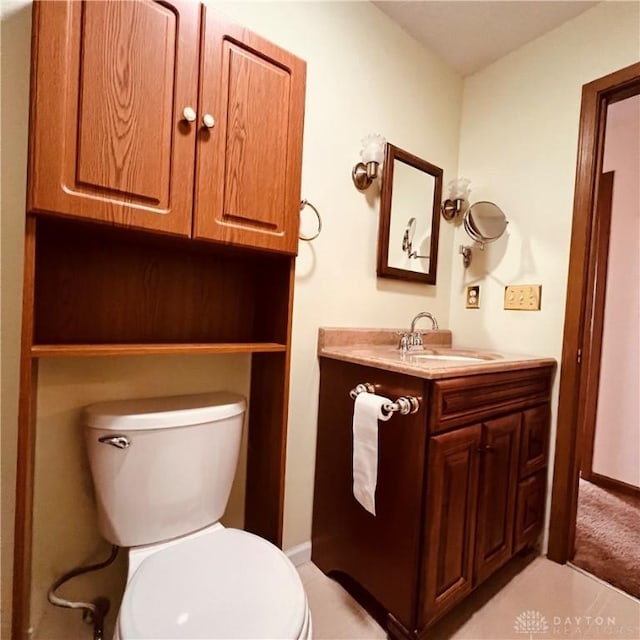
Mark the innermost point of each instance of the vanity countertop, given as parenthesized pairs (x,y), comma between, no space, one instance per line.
(379,348)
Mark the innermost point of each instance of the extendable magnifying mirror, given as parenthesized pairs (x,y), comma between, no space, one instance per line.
(484,222)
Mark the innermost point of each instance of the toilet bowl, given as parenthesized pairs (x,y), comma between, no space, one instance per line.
(162,470)
(225,583)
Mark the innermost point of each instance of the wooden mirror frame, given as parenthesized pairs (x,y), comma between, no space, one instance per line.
(391,154)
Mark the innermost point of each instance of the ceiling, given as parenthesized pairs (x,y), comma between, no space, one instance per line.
(470,35)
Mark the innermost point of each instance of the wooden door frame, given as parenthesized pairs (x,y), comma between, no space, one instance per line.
(579,342)
(601,238)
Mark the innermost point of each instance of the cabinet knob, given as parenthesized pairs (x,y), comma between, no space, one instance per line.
(485,448)
(208,121)
(189,114)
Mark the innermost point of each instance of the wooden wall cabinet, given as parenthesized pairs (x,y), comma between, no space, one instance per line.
(155,230)
(461,488)
(164,117)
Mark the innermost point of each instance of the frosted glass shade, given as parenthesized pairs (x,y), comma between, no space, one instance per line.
(373,148)
(459,189)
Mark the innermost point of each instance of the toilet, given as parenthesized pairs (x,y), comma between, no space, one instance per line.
(162,470)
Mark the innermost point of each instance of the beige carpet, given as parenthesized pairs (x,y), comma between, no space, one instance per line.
(608,536)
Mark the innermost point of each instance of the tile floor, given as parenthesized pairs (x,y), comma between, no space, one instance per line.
(570,601)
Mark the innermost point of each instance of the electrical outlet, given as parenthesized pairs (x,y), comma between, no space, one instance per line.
(523,297)
(473,297)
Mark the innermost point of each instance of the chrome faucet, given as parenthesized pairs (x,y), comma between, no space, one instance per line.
(412,341)
(424,314)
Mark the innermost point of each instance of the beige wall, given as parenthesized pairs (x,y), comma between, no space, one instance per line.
(518,146)
(15,34)
(616,451)
(364,75)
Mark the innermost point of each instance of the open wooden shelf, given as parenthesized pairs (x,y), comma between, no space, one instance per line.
(74,350)
(115,291)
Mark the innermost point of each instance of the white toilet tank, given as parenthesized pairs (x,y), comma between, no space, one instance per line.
(162,467)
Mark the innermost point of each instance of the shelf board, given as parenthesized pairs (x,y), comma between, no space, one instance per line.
(75,350)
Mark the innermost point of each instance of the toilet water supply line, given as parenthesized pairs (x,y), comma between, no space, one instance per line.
(93,612)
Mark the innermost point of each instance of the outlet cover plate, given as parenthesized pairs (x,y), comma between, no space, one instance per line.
(473,297)
(523,297)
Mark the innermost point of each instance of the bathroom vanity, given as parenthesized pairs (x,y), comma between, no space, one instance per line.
(461,482)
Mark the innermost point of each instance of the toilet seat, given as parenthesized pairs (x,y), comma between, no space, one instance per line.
(227,584)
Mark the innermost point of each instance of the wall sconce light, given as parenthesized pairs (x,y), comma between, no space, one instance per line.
(459,191)
(372,153)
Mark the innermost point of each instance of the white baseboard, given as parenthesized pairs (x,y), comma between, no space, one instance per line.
(300,553)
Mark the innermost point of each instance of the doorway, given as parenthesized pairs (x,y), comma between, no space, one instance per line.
(582,355)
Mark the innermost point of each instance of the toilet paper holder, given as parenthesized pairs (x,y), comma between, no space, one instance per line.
(404,405)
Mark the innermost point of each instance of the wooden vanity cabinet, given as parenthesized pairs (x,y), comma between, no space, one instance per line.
(162,116)
(472,488)
(381,553)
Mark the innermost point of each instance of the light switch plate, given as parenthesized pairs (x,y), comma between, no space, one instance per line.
(473,297)
(523,297)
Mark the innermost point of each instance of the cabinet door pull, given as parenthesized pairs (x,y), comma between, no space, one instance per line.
(189,114)
(208,121)
(485,448)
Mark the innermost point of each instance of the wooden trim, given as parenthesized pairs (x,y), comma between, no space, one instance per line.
(396,629)
(74,350)
(615,485)
(595,98)
(23,532)
(598,276)
(267,438)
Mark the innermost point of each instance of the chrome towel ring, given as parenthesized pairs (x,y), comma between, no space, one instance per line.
(306,203)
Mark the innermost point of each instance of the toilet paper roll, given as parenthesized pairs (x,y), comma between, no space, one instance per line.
(367,411)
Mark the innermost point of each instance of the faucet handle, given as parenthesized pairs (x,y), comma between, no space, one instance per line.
(404,342)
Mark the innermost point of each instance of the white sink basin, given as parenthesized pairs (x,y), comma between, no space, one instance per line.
(440,356)
(451,355)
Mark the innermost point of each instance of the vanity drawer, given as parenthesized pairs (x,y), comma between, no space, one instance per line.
(529,510)
(534,440)
(459,401)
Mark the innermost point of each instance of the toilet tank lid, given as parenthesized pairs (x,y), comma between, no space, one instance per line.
(163,413)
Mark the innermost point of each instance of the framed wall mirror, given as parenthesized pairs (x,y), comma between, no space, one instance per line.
(409,217)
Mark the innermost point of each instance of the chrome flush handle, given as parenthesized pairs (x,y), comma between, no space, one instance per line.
(121,442)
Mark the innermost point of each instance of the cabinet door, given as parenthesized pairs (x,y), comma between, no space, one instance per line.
(249,157)
(107,140)
(450,524)
(497,493)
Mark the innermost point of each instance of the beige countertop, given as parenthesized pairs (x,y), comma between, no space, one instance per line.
(379,348)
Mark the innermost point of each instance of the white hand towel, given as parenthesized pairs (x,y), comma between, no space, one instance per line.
(367,410)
